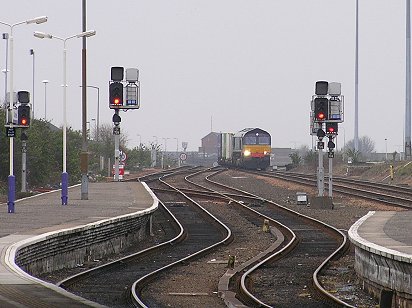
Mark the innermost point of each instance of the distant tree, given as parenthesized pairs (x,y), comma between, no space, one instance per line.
(310,158)
(296,159)
(366,146)
(354,156)
(139,157)
(103,146)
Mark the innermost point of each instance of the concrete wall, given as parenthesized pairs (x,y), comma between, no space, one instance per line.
(382,269)
(71,248)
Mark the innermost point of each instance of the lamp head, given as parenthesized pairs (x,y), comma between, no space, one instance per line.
(37,20)
(42,35)
(86,33)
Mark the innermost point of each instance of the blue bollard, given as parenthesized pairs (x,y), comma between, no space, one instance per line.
(12,193)
(65,190)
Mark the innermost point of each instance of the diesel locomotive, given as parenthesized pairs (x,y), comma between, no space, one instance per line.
(249,148)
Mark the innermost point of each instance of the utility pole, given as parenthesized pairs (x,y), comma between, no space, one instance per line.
(84,155)
(407,147)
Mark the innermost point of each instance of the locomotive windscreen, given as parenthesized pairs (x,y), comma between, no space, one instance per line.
(261,139)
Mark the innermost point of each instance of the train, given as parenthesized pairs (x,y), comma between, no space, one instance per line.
(249,148)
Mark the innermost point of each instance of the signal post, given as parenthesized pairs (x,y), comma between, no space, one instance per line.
(18,116)
(326,113)
(116,102)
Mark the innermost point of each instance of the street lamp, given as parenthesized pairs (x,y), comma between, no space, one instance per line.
(165,141)
(94,128)
(177,151)
(65,175)
(5,71)
(45,97)
(31,51)
(98,109)
(11,179)
(154,153)
(386,149)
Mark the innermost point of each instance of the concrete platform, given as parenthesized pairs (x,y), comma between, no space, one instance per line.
(383,254)
(41,220)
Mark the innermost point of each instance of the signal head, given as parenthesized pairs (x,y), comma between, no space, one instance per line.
(332,128)
(116,95)
(321,109)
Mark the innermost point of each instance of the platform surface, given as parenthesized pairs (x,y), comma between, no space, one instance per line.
(389,232)
(44,213)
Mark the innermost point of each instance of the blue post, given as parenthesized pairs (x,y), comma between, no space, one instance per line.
(12,193)
(65,190)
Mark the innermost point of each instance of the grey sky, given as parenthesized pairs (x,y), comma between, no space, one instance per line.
(241,63)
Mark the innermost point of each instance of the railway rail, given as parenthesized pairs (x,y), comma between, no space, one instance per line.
(295,261)
(393,195)
(110,283)
(310,233)
(298,260)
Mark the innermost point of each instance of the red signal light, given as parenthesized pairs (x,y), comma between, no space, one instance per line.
(117,101)
(23,121)
(332,128)
(320,116)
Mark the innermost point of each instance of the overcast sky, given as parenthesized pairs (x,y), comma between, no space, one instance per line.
(218,64)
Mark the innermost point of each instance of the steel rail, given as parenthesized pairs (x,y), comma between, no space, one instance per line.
(283,251)
(72,279)
(134,294)
(346,190)
(316,282)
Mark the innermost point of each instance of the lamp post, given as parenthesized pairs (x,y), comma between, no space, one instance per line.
(154,153)
(45,98)
(177,151)
(65,175)
(98,109)
(11,179)
(31,51)
(386,149)
(5,71)
(356,130)
(94,128)
(88,129)
(165,141)
(140,139)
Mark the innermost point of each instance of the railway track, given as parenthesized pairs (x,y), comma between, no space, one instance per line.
(110,284)
(296,250)
(290,271)
(393,195)
(286,275)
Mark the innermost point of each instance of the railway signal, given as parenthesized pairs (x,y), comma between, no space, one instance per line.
(23,116)
(124,93)
(116,95)
(331,128)
(331,144)
(321,109)
(326,107)
(321,87)
(116,73)
(23,97)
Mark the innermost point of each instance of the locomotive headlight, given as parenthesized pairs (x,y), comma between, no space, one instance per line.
(265,152)
(246,153)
